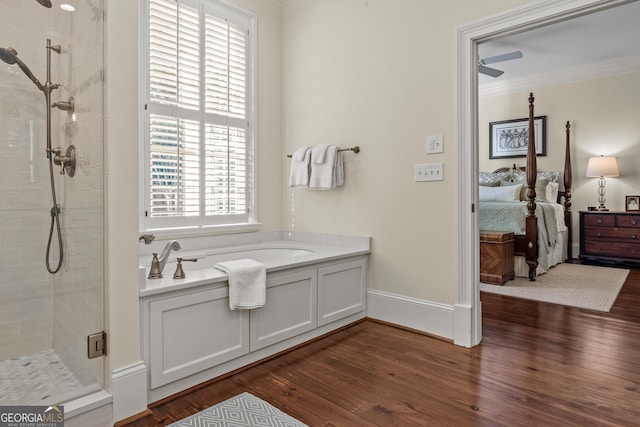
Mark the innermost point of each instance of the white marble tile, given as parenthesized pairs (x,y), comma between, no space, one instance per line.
(35,379)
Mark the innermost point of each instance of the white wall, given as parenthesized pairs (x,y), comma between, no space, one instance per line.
(380,74)
(604,121)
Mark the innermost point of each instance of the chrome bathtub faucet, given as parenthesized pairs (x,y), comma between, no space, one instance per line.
(157,264)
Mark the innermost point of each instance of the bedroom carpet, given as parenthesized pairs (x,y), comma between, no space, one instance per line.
(575,285)
(243,410)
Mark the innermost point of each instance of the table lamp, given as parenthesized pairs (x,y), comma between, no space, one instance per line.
(601,167)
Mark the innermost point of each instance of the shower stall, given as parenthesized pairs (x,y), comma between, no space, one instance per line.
(51,221)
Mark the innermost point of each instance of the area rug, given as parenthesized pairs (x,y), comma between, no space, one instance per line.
(575,285)
(243,410)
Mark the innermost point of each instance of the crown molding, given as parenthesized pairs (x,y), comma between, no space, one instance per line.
(570,75)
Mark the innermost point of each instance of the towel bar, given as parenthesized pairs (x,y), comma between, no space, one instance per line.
(355,149)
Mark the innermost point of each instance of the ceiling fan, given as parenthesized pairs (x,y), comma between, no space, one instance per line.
(482,68)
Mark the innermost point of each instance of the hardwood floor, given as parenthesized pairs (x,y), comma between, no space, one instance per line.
(538,365)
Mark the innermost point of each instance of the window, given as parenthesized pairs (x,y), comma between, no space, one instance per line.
(198,134)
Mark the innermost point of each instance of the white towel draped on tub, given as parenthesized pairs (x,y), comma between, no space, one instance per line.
(247,283)
(326,167)
(300,162)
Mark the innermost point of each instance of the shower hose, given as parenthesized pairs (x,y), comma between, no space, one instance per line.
(55,221)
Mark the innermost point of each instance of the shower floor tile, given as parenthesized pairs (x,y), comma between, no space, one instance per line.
(35,379)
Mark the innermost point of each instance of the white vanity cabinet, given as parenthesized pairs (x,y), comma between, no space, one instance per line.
(191,336)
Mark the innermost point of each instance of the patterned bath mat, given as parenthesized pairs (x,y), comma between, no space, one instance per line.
(242,410)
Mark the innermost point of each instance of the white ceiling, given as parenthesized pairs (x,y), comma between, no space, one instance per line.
(605,42)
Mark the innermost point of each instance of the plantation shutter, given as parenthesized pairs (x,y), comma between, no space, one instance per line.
(198,130)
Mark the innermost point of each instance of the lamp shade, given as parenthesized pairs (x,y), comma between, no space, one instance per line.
(602,166)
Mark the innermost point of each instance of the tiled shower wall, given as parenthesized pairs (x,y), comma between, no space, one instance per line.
(38,310)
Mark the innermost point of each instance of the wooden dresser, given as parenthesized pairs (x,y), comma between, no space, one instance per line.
(496,257)
(610,237)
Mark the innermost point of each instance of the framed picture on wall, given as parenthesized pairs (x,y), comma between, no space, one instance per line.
(632,203)
(510,138)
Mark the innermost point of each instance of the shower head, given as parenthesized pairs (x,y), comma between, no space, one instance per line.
(10,56)
(45,3)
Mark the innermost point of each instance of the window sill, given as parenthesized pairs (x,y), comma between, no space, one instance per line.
(212,230)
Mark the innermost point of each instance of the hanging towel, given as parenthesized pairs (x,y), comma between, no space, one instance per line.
(247,283)
(299,175)
(319,154)
(338,170)
(323,167)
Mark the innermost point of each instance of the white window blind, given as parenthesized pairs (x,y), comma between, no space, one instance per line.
(198,139)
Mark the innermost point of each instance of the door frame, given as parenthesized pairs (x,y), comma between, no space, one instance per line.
(468,309)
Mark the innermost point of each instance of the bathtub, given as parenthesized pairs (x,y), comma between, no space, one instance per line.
(277,251)
(315,284)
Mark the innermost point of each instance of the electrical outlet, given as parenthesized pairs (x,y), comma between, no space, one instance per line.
(429,172)
(435,144)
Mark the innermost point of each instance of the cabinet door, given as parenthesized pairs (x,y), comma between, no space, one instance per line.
(341,290)
(193,332)
(290,308)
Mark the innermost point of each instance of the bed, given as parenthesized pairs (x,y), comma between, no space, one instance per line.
(530,204)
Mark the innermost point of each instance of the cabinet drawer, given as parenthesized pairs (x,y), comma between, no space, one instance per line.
(613,249)
(628,221)
(597,220)
(627,234)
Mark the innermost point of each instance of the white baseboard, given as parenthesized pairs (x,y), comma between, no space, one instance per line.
(426,316)
(467,330)
(129,389)
(93,410)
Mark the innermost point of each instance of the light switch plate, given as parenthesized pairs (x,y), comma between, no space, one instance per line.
(435,144)
(429,172)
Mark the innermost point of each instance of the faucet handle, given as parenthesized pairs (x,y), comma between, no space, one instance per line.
(179,274)
(155,272)
(148,238)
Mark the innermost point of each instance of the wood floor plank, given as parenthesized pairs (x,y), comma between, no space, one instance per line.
(538,364)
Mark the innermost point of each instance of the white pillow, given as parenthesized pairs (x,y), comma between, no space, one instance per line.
(551,192)
(508,193)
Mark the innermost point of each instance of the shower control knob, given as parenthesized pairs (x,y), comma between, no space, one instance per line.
(67,162)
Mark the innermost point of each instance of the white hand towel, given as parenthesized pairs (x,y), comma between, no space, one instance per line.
(338,170)
(247,283)
(299,174)
(319,154)
(323,163)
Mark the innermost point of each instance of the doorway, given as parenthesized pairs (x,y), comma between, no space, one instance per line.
(468,313)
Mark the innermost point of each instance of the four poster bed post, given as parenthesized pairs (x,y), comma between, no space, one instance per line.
(528,244)
(531,225)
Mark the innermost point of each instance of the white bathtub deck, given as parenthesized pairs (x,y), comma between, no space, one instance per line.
(316,248)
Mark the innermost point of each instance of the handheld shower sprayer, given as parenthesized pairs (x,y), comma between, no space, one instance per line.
(10,56)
